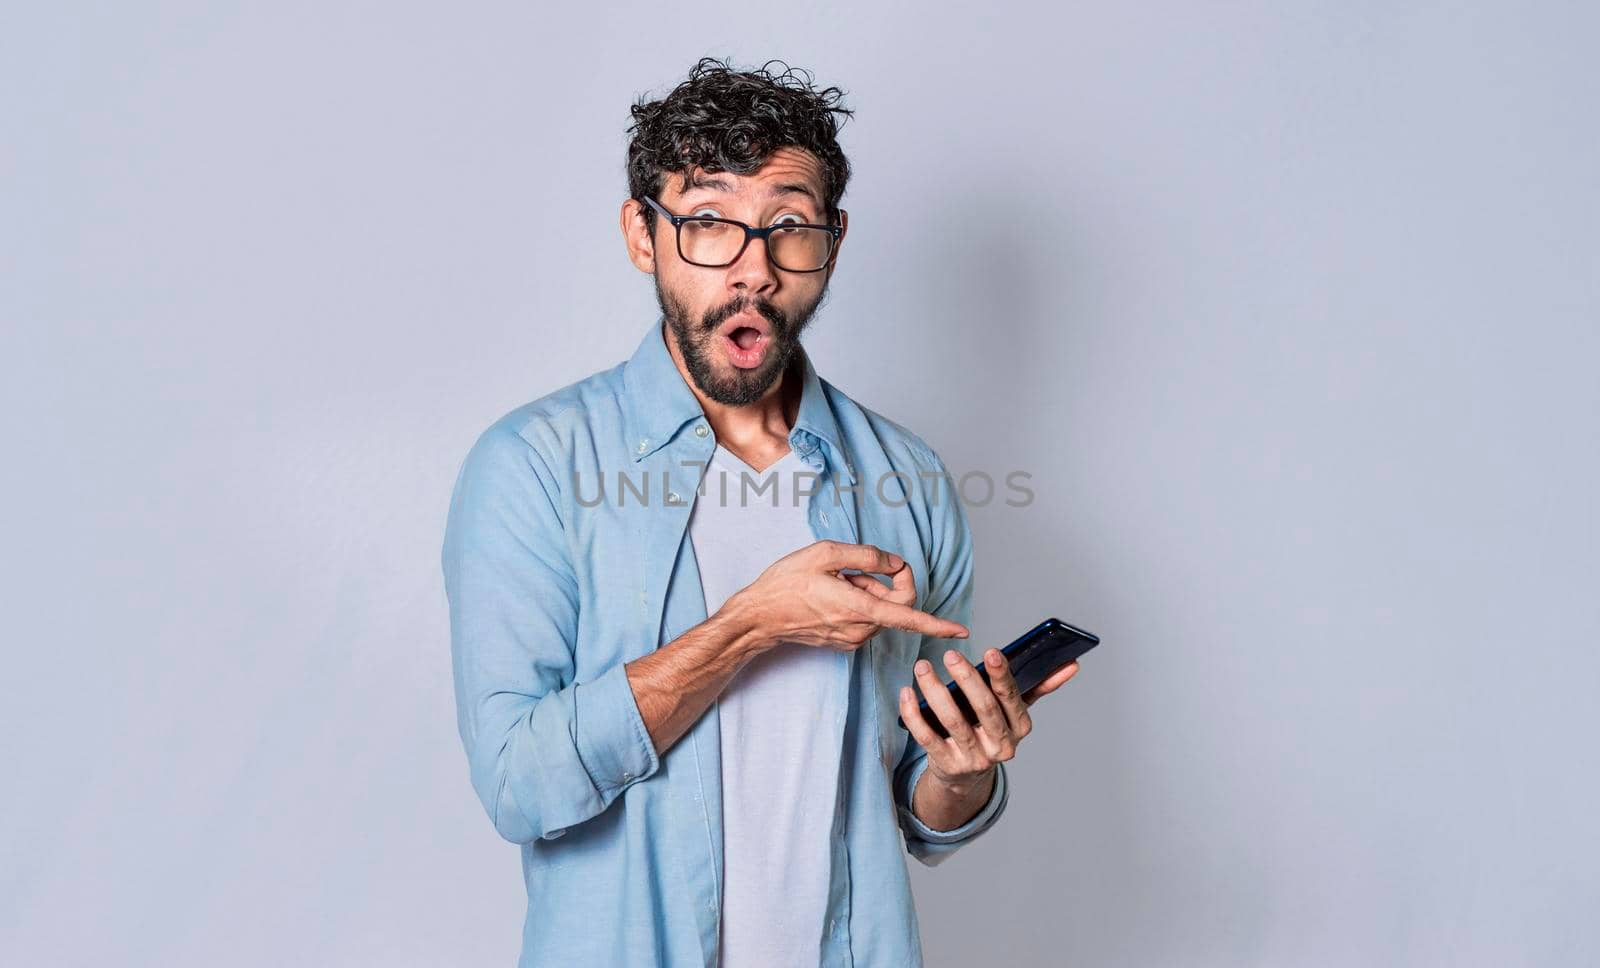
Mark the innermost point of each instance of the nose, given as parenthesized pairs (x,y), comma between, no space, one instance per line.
(753,271)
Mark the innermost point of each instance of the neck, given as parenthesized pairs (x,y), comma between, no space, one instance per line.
(759,431)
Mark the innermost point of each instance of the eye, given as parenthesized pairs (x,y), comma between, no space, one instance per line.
(797,218)
(707,211)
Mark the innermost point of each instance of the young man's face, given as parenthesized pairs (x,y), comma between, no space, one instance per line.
(737,326)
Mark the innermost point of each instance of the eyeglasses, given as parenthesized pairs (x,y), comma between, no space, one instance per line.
(718,242)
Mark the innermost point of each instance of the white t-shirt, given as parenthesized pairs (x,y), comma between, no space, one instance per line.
(781,732)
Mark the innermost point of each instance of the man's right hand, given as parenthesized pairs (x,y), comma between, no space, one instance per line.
(802,597)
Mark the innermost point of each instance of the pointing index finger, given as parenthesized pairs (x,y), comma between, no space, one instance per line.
(895,615)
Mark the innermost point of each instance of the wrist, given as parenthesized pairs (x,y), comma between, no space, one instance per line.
(943,804)
(737,623)
(963,786)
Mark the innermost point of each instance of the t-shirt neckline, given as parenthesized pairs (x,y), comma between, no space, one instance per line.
(725,454)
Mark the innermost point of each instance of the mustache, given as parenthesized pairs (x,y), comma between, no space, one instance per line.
(769,312)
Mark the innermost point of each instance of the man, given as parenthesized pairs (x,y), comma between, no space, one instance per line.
(683,705)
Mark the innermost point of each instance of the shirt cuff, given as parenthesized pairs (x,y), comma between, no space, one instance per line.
(979,822)
(607,746)
(612,740)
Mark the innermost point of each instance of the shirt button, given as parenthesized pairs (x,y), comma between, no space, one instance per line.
(672,498)
(831,924)
(644,445)
(823,515)
(626,777)
(700,430)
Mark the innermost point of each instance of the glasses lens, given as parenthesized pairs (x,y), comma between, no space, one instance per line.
(709,243)
(800,249)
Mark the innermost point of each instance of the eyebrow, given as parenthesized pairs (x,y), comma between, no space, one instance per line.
(719,184)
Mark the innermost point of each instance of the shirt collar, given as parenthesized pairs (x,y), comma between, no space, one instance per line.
(659,402)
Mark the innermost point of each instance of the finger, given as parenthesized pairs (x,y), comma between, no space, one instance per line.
(1056,680)
(996,732)
(862,557)
(896,615)
(944,706)
(916,724)
(1004,686)
(869,584)
(904,584)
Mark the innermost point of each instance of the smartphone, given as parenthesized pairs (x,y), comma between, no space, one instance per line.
(1034,655)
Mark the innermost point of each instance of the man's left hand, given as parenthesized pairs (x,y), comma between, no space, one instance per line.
(970,752)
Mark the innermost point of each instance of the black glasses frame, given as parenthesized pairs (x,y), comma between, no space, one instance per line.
(749,233)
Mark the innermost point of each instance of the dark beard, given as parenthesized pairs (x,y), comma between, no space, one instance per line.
(698,344)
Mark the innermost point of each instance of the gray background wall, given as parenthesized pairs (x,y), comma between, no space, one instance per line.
(1290,310)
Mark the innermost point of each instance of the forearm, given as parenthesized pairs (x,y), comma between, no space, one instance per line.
(946,806)
(673,685)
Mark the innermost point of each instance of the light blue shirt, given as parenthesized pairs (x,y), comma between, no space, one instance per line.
(565,555)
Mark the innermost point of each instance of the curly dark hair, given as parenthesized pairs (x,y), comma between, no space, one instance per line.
(722,119)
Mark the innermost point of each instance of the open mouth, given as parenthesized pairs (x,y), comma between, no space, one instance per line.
(746,345)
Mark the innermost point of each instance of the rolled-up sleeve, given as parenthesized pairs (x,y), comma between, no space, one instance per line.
(949,595)
(922,841)
(544,752)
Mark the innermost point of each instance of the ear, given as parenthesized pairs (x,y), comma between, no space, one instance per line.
(844,228)
(641,247)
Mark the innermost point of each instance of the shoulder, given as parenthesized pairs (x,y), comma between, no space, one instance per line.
(869,430)
(549,425)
